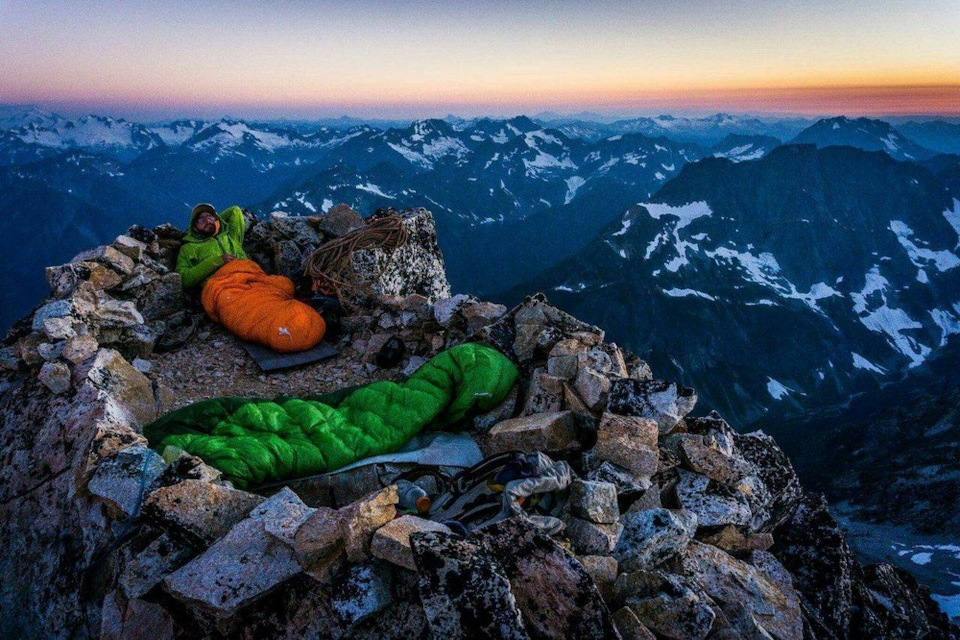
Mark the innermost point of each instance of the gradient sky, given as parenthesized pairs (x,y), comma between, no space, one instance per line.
(420,58)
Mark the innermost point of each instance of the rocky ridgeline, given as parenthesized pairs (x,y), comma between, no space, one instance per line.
(674,527)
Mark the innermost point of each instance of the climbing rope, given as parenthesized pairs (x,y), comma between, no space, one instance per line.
(331,265)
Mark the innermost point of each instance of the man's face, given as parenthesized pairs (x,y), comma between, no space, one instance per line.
(205,224)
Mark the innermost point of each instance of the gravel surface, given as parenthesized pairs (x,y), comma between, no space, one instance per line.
(216,365)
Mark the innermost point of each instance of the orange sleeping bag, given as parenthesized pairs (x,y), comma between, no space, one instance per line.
(261,308)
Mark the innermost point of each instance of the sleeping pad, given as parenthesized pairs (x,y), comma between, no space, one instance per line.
(261,308)
(253,441)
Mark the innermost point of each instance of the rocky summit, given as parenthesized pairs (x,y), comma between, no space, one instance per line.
(665,526)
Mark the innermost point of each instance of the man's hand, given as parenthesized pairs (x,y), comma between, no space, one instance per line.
(228,258)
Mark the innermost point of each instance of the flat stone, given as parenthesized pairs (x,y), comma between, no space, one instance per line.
(603,570)
(161,297)
(555,594)
(27,348)
(594,501)
(110,313)
(625,480)
(542,432)
(55,376)
(666,403)
(134,619)
(628,442)
(464,591)
(590,538)
(366,590)
(706,456)
(482,314)
(109,256)
(49,311)
(640,430)
(445,310)
(122,479)
(596,359)
(503,411)
(592,387)
(243,566)
(50,350)
(652,536)
(358,521)
(391,542)
(563,366)
(730,539)
(415,363)
(109,371)
(630,627)
(714,503)
(296,228)
(318,537)
(650,499)
(66,278)
(80,348)
(728,580)
(782,491)
(130,247)
(347,487)
(59,328)
(340,220)
(199,511)
(150,566)
(286,519)
(544,395)
(677,613)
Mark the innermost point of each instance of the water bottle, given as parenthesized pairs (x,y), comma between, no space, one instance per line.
(413,499)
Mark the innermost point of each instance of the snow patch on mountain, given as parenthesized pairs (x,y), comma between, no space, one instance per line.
(948,321)
(374,189)
(412,156)
(777,390)
(862,363)
(874,312)
(943,260)
(683,293)
(573,185)
(953,218)
(685,215)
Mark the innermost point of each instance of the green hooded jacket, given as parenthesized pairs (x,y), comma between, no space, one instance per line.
(200,256)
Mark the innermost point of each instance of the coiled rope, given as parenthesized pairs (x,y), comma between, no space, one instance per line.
(331,265)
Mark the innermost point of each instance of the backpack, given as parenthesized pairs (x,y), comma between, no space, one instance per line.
(497,488)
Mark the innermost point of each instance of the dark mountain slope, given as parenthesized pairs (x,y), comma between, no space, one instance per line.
(796,279)
(893,453)
(862,133)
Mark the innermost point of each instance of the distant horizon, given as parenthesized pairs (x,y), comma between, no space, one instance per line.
(587,115)
(312,59)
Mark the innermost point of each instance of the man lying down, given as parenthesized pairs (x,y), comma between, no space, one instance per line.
(236,292)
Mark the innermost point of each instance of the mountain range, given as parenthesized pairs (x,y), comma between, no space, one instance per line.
(830,268)
(725,212)
(803,276)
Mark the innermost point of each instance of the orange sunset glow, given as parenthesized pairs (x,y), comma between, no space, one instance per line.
(419,58)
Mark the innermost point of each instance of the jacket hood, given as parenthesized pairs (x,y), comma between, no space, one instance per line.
(194,237)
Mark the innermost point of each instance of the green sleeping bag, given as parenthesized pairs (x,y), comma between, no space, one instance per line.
(253,441)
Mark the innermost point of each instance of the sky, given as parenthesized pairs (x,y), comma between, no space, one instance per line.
(419,58)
